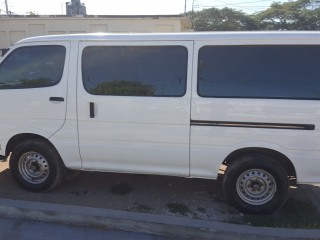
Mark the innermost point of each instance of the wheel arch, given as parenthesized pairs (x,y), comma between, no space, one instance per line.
(280,157)
(15,140)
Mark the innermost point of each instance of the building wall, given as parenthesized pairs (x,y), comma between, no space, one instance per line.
(13,29)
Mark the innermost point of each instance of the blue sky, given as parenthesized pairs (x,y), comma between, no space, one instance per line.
(133,7)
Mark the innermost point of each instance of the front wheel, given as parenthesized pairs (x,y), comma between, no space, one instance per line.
(256,183)
(36,165)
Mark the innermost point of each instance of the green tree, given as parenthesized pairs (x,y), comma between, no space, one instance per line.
(293,15)
(296,15)
(225,19)
(311,20)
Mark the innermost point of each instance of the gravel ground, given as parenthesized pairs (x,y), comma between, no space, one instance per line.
(191,198)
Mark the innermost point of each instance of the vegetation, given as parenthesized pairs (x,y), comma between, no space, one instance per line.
(293,15)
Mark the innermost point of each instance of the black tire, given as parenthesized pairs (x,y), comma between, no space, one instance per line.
(256,184)
(36,165)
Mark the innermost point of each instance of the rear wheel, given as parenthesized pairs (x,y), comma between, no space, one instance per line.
(36,165)
(256,183)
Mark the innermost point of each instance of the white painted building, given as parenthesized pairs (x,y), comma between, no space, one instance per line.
(14,28)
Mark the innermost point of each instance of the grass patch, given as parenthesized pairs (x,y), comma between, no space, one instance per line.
(178,208)
(120,189)
(294,214)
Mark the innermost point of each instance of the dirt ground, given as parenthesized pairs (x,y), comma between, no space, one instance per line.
(191,198)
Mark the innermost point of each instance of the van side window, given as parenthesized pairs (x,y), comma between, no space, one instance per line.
(280,72)
(32,67)
(135,70)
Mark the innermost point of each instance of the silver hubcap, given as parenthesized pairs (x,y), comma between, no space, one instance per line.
(33,167)
(256,186)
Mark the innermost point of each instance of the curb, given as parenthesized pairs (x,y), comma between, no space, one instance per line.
(146,223)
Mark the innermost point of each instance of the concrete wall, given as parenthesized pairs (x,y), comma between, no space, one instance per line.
(13,28)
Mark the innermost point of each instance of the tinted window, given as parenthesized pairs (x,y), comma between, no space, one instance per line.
(32,67)
(290,72)
(135,70)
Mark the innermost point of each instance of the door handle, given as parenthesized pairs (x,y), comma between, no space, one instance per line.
(92,113)
(56,99)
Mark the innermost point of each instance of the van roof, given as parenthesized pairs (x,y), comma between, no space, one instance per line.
(176,36)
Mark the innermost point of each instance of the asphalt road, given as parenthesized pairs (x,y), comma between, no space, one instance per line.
(15,229)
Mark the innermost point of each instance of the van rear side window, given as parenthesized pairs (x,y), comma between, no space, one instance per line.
(32,67)
(280,72)
(159,71)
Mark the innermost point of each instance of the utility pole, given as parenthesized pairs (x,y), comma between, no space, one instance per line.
(7,10)
(185,7)
(192,6)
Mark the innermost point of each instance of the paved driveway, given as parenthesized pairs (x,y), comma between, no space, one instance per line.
(190,198)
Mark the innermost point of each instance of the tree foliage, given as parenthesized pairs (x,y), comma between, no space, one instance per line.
(225,19)
(293,15)
(297,15)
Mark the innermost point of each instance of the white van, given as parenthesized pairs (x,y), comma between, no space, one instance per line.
(171,104)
